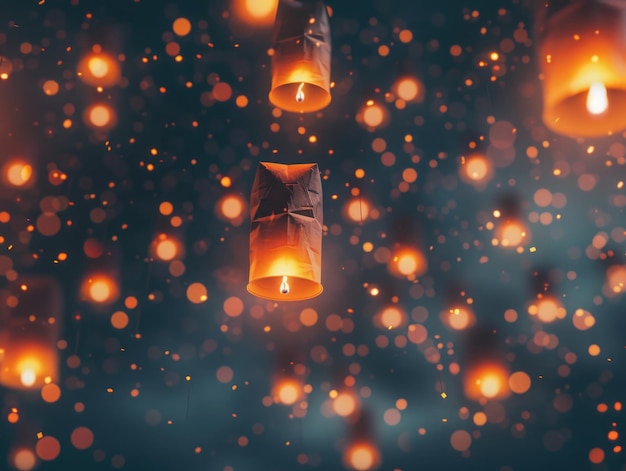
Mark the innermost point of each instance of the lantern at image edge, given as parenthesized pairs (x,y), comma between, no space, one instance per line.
(582,51)
(30,331)
(301,57)
(286,232)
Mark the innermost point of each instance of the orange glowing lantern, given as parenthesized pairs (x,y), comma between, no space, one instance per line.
(166,248)
(361,456)
(407,262)
(391,317)
(256,12)
(361,452)
(288,390)
(547,309)
(486,375)
(30,331)
(301,58)
(99,69)
(582,50)
(512,233)
(100,288)
(286,232)
(100,116)
(487,380)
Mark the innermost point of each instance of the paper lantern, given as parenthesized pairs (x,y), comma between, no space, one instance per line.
(29,357)
(582,49)
(486,374)
(286,232)
(301,59)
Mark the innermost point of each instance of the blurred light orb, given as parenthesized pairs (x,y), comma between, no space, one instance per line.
(165,248)
(616,278)
(288,391)
(391,317)
(24,459)
(547,309)
(476,169)
(512,233)
(345,404)
(407,262)
(18,173)
(100,289)
(459,317)
(256,12)
(99,69)
(373,116)
(361,456)
(100,116)
(357,210)
(487,380)
(408,89)
(231,208)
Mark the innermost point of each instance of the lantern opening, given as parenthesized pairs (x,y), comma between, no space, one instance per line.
(597,98)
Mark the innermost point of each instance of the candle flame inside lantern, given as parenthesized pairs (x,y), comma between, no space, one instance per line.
(300,93)
(284,286)
(597,99)
(28,377)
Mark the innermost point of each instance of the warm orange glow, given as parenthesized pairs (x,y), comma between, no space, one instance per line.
(582,67)
(476,169)
(166,248)
(28,363)
(18,173)
(24,459)
(255,12)
(488,380)
(100,289)
(407,262)
(373,116)
(301,57)
(361,456)
(408,89)
(345,404)
(288,391)
(100,116)
(547,309)
(357,209)
(99,70)
(616,278)
(512,233)
(391,317)
(458,317)
(231,208)
(286,232)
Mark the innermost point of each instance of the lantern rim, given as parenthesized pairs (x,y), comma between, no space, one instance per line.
(268,287)
(284,97)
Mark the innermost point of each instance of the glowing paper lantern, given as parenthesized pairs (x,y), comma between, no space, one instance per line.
(99,69)
(582,49)
(28,353)
(361,452)
(486,375)
(301,59)
(286,232)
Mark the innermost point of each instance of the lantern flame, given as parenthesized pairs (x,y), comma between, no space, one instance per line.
(28,377)
(284,286)
(597,99)
(300,93)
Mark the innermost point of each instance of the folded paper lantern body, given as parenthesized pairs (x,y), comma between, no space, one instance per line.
(301,59)
(30,330)
(582,52)
(286,232)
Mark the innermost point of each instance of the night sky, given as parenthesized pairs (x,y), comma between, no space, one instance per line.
(174,366)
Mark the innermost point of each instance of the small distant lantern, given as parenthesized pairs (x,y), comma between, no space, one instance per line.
(31,318)
(511,231)
(457,313)
(286,232)
(407,259)
(361,452)
(582,50)
(486,374)
(301,59)
(546,307)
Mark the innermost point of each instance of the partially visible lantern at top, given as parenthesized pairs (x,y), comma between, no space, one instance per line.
(286,232)
(582,51)
(30,315)
(301,57)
